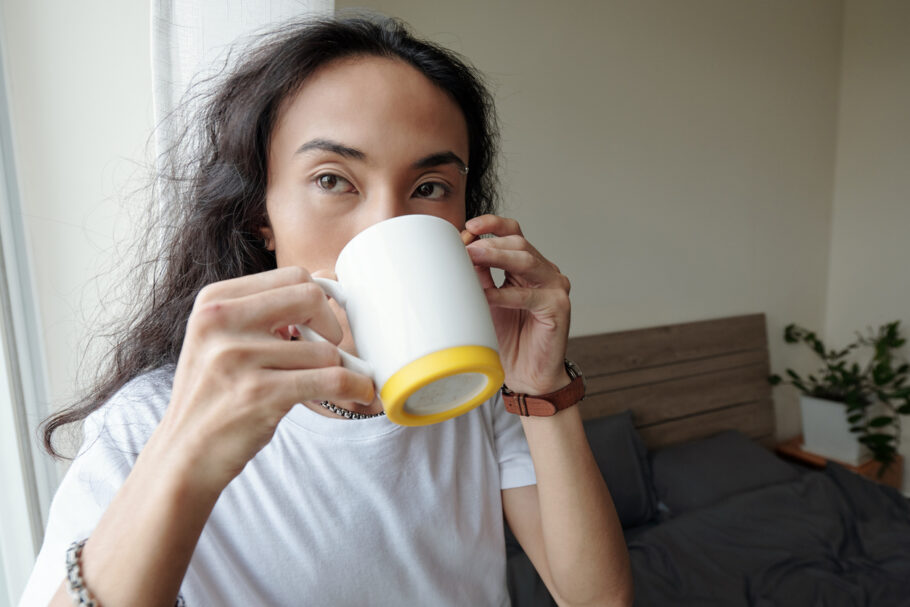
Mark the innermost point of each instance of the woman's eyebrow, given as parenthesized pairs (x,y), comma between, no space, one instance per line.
(435,160)
(331,146)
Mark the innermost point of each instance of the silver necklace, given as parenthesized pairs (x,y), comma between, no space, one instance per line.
(347,413)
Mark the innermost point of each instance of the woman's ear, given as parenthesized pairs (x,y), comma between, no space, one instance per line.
(268,237)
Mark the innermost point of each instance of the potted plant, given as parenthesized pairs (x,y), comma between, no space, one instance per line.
(865,401)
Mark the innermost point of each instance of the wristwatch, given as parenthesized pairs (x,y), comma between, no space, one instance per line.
(544,405)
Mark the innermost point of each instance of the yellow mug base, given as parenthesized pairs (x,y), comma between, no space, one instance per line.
(418,374)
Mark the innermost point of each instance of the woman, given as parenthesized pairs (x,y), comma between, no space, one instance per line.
(250,488)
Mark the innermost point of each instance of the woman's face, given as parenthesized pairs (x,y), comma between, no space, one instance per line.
(365,139)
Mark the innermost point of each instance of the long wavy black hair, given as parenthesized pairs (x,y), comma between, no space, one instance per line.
(211,194)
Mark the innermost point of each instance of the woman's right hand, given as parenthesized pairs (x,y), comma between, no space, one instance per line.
(238,373)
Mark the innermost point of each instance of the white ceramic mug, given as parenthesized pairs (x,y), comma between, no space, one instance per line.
(419,319)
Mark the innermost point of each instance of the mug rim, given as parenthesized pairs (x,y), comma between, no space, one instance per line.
(396,219)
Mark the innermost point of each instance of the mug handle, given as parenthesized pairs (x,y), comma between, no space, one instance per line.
(348,361)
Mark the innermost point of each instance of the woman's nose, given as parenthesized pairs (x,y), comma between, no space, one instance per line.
(388,204)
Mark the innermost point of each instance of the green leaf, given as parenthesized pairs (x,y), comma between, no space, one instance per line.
(817,346)
(882,374)
(904,409)
(882,420)
(790,334)
(856,429)
(854,418)
(853,398)
(875,440)
(774,379)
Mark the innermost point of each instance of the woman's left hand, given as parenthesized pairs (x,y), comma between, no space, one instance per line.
(530,309)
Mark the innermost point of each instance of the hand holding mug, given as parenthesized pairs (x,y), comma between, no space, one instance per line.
(238,374)
(530,310)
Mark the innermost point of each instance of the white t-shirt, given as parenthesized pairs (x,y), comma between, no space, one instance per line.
(331,512)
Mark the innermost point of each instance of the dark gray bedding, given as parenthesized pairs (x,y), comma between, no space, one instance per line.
(827,539)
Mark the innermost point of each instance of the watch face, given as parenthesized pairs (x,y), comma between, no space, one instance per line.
(573,369)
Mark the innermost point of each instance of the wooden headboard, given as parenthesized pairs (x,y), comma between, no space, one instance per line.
(682,381)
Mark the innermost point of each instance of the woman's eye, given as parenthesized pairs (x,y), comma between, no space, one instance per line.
(334,184)
(431,190)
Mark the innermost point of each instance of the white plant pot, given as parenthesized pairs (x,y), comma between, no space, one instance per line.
(827,433)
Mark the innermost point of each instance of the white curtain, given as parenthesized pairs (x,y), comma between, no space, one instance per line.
(191,37)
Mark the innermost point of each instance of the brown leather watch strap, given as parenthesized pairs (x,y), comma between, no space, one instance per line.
(544,405)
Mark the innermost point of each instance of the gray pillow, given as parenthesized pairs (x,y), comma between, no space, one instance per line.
(623,462)
(699,473)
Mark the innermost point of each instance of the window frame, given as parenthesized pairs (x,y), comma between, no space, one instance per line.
(27,475)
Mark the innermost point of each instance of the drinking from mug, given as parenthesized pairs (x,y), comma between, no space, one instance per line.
(419,318)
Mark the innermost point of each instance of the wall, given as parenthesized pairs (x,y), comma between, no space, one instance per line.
(80,99)
(869,261)
(675,159)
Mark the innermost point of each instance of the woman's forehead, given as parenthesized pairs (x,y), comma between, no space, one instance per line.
(371,103)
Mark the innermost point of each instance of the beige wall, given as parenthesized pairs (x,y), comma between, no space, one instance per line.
(869,263)
(675,159)
(80,97)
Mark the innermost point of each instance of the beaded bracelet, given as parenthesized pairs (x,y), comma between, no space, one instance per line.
(75,585)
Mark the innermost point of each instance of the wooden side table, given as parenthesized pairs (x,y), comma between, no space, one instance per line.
(893,477)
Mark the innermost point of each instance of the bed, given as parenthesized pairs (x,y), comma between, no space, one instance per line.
(681,422)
